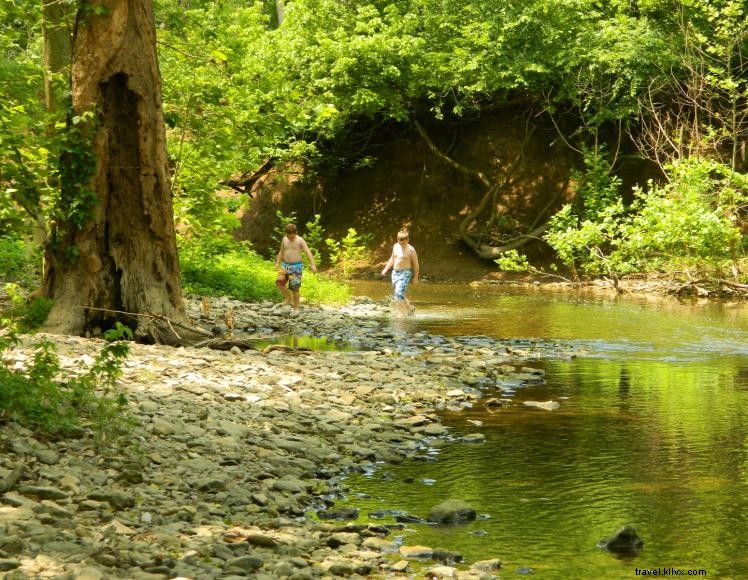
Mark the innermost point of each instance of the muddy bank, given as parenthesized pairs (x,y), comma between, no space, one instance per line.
(234,461)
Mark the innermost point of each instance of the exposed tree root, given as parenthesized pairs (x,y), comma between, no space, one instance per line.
(494,248)
(161,330)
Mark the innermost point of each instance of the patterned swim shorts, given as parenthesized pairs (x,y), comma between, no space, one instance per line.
(400,281)
(294,270)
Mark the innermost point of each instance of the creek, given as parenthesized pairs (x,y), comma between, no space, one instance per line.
(652,431)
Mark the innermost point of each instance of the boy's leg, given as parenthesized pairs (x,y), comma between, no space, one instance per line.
(294,285)
(400,281)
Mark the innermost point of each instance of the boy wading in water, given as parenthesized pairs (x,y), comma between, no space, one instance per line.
(404,264)
(289,257)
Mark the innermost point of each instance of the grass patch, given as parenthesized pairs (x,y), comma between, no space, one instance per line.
(226,268)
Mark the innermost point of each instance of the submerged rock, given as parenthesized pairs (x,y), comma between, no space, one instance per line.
(452,511)
(625,541)
(545,405)
(338,514)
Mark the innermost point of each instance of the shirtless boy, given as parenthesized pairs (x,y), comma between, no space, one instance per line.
(289,257)
(404,264)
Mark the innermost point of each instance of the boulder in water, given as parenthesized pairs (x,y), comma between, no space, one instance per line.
(452,511)
(625,541)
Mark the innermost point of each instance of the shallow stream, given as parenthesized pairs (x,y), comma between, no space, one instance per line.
(652,431)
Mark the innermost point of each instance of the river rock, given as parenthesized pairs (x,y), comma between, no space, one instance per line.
(545,405)
(380,545)
(338,514)
(254,440)
(624,541)
(441,572)
(418,552)
(483,566)
(452,511)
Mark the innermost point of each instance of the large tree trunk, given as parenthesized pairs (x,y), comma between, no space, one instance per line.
(124,256)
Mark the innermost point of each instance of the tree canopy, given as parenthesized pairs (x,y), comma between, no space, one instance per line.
(241,88)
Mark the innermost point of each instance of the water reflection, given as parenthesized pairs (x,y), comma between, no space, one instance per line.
(652,430)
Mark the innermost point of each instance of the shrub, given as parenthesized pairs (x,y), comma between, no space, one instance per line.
(690,223)
(345,253)
(28,315)
(512,261)
(40,398)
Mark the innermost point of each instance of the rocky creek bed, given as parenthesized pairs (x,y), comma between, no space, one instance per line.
(234,461)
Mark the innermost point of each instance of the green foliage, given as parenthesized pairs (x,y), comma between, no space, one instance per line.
(215,267)
(78,166)
(347,252)
(583,233)
(28,145)
(239,90)
(690,223)
(19,262)
(512,261)
(598,188)
(42,396)
(314,234)
(26,314)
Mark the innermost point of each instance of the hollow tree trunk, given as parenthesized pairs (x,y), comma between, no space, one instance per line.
(124,256)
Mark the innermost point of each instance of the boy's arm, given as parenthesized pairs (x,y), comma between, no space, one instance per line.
(309,255)
(390,263)
(416,267)
(280,255)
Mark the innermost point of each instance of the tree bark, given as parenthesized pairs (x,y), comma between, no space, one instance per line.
(124,257)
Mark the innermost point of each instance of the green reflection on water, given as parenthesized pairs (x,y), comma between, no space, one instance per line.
(658,446)
(651,431)
(317,343)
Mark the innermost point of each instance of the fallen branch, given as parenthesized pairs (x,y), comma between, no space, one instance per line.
(695,284)
(159,317)
(492,252)
(247,182)
(226,344)
(734,285)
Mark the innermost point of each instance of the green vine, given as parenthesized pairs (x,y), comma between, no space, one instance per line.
(77,168)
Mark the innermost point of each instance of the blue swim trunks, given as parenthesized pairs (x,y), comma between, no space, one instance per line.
(294,274)
(400,281)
